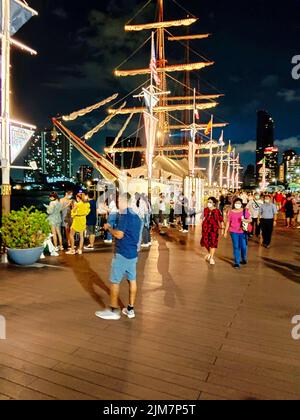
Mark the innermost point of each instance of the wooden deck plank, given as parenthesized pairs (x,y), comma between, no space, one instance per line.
(201,332)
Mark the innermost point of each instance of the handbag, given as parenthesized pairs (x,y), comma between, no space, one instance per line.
(247,227)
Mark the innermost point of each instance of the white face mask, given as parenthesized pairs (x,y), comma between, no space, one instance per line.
(267,201)
(210,205)
(238,206)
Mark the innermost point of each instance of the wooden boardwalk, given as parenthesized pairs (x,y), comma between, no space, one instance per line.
(201,333)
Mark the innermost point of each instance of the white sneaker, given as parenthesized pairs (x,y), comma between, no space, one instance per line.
(54,254)
(108,242)
(79,252)
(42,257)
(145,246)
(108,315)
(208,257)
(185,231)
(212,261)
(71,252)
(89,248)
(129,314)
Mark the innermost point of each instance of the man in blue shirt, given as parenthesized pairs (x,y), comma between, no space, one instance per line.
(127,235)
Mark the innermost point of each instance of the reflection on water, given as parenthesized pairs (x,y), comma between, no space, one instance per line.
(31,198)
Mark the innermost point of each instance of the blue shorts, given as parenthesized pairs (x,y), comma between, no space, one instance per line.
(123,268)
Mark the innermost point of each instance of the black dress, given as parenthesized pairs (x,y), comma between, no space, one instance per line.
(289,209)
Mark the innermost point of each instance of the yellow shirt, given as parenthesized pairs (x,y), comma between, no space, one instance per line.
(79,214)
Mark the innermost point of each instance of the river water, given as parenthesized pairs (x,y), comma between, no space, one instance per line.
(31,198)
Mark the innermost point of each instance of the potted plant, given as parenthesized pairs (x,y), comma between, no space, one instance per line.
(24,233)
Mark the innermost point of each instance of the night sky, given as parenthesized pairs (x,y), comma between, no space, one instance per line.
(80,43)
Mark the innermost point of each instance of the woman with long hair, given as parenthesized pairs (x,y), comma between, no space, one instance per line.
(212,223)
(79,213)
(237,221)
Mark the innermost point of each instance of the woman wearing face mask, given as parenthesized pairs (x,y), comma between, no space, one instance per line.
(268,219)
(212,222)
(236,217)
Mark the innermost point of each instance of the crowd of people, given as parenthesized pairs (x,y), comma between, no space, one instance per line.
(82,217)
(128,221)
(245,216)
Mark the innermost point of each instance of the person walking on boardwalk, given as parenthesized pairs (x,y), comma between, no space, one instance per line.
(236,221)
(289,210)
(79,214)
(268,219)
(254,210)
(124,264)
(212,223)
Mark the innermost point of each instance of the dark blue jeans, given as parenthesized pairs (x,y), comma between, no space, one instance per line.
(240,247)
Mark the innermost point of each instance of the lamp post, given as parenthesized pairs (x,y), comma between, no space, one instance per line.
(5,107)
(25,13)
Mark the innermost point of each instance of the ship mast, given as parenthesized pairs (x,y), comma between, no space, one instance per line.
(176,104)
(162,117)
(187,83)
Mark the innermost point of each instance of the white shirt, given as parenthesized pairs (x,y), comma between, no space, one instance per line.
(113,207)
(254,208)
(162,205)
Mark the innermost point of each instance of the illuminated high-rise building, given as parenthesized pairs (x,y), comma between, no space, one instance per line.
(293,171)
(271,155)
(53,156)
(265,137)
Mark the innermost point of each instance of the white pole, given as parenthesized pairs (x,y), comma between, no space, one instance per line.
(211,155)
(233,171)
(228,172)
(151,80)
(264,181)
(222,161)
(5,107)
(150,154)
(194,135)
(238,173)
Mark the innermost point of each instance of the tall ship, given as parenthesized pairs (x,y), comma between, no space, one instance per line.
(171,118)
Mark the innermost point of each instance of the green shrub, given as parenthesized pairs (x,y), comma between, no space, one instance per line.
(25,229)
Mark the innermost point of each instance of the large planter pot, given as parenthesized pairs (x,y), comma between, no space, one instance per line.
(25,257)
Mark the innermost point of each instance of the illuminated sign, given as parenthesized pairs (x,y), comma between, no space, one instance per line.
(270,150)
